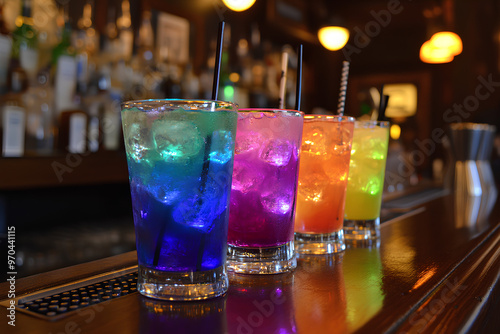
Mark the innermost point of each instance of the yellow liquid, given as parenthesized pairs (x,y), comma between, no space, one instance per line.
(366,173)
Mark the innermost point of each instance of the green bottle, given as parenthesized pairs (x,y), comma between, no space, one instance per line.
(25,41)
(64,48)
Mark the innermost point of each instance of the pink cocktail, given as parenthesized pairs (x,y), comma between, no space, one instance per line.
(263,191)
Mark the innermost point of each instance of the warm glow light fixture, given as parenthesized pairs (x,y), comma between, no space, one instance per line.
(441,48)
(447,40)
(403,101)
(395,131)
(434,55)
(444,44)
(238,5)
(333,38)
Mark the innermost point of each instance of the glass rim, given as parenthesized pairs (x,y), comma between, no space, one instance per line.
(326,118)
(271,110)
(157,103)
(382,124)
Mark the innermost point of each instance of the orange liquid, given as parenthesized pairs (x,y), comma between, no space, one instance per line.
(324,167)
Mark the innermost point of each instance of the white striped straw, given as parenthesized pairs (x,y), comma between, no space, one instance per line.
(343,88)
(284,66)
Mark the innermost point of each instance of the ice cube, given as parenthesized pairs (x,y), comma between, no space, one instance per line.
(341,149)
(312,186)
(374,163)
(373,186)
(247,141)
(277,194)
(245,176)
(169,182)
(277,202)
(277,152)
(165,193)
(173,253)
(138,142)
(378,149)
(341,141)
(135,115)
(201,209)
(314,142)
(221,146)
(177,141)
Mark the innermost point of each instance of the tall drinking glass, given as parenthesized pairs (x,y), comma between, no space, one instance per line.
(324,167)
(263,192)
(366,180)
(180,160)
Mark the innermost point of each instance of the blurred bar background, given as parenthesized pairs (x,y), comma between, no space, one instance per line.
(66,65)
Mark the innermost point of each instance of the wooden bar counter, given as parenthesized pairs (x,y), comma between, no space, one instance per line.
(432,272)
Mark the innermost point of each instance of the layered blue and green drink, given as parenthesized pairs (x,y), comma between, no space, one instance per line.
(180,158)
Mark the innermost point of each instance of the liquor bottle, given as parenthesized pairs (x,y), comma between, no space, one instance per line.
(145,41)
(72,131)
(39,103)
(94,131)
(87,34)
(64,63)
(25,42)
(110,43)
(243,69)
(86,43)
(98,102)
(172,84)
(5,52)
(13,116)
(111,123)
(64,47)
(258,97)
(190,84)
(72,126)
(125,33)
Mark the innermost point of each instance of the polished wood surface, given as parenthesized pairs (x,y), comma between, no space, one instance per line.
(431,272)
(63,170)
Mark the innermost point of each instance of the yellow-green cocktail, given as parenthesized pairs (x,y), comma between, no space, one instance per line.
(366,180)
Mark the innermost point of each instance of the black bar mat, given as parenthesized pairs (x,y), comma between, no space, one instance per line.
(56,303)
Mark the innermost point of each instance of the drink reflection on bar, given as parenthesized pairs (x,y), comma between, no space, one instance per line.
(261,304)
(321,310)
(66,67)
(157,316)
(362,268)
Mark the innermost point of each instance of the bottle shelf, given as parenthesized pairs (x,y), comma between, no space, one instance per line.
(65,169)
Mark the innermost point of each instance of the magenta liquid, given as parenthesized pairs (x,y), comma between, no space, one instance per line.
(263,191)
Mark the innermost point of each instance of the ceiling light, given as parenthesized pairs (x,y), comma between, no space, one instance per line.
(238,5)
(435,55)
(448,40)
(333,37)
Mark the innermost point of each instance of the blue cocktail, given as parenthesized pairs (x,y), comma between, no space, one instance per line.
(180,160)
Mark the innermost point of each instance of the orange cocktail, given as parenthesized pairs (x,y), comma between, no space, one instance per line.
(324,168)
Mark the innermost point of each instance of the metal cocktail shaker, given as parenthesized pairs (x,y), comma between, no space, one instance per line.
(474,185)
(486,177)
(465,140)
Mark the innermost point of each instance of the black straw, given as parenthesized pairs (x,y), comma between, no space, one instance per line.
(208,139)
(218,56)
(384,101)
(381,101)
(298,91)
